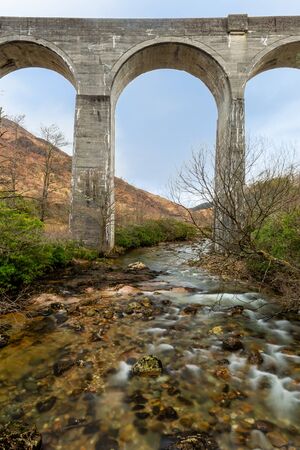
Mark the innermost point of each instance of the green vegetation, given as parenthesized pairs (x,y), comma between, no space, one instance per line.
(276,262)
(25,253)
(280,236)
(153,232)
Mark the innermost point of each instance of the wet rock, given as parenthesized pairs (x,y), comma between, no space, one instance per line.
(73,422)
(166,302)
(92,427)
(138,407)
(223,362)
(20,436)
(189,441)
(222,372)
(46,405)
(142,415)
(15,412)
(216,330)
(277,439)
(4,340)
(255,358)
(147,366)
(106,441)
(232,344)
(190,309)
(56,306)
(264,426)
(136,266)
(168,413)
(236,310)
(62,366)
(136,398)
(61,316)
(133,307)
(259,440)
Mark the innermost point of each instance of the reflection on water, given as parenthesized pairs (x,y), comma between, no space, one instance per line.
(72,377)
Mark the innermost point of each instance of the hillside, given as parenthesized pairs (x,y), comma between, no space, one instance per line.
(24,154)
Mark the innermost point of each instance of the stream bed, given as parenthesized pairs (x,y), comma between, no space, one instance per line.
(231,366)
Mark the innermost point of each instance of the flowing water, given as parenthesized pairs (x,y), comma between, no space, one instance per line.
(247,398)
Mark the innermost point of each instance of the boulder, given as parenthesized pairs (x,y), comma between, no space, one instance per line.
(147,366)
(136,266)
(189,441)
(20,436)
(232,344)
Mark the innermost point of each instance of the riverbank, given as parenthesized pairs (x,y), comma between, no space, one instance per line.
(228,377)
(278,282)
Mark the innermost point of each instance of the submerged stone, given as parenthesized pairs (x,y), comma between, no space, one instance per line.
(62,366)
(4,340)
(147,366)
(189,441)
(232,344)
(168,413)
(20,436)
(46,404)
(255,358)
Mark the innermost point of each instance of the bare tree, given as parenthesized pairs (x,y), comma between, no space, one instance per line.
(265,192)
(10,161)
(53,139)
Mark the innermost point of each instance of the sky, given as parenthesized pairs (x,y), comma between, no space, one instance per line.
(163,115)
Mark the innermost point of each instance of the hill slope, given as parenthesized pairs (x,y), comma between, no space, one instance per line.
(23,154)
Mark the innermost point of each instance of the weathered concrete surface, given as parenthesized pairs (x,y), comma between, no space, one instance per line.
(101,56)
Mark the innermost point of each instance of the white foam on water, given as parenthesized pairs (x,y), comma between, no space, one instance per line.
(162,348)
(120,378)
(195,370)
(156,331)
(236,363)
(283,402)
(284,325)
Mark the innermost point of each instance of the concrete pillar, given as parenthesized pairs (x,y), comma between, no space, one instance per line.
(230,173)
(92,212)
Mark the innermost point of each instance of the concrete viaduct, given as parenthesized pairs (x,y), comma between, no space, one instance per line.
(101,56)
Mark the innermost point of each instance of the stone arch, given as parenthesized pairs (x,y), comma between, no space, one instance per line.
(171,53)
(18,52)
(205,64)
(283,53)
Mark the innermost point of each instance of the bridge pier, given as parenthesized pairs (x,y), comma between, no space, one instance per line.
(229,174)
(92,210)
(101,56)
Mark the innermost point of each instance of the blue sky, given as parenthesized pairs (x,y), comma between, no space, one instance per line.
(161,115)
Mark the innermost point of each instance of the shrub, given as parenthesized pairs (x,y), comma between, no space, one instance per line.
(23,256)
(280,236)
(25,253)
(153,232)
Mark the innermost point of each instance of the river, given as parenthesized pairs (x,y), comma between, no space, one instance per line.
(231,366)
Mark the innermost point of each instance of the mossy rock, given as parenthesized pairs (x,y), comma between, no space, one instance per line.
(189,441)
(147,366)
(20,436)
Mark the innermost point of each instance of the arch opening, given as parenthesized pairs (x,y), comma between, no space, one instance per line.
(173,55)
(21,54)
(272,102)
(161,117)
(38,82)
